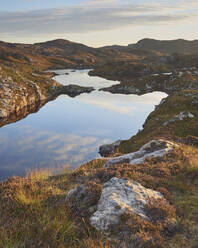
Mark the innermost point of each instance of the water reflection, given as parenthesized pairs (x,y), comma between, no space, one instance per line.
(70,130)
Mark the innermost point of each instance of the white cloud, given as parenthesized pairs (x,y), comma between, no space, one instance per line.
(95,15)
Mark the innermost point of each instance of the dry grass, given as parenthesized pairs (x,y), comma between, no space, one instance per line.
(34,213)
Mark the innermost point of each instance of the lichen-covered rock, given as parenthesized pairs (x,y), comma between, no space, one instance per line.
(154,148)
(119,196)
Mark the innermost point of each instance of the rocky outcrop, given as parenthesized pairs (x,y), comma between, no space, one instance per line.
(146,84)
(107,150)
(153,149)
(21,94)
(120,196)
(119,206)
(16,96)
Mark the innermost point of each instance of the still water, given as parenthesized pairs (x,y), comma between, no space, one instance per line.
(69,131)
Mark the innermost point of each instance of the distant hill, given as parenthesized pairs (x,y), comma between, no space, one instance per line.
(62,53)
(167,46)
(132,50)
(61,47)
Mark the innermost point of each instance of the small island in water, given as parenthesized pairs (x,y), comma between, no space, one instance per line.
(99,146)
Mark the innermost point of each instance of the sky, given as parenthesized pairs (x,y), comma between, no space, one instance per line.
(97,22)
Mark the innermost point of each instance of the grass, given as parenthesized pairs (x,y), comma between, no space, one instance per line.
(33,213)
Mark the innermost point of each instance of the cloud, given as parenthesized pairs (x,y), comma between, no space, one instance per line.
(94,15)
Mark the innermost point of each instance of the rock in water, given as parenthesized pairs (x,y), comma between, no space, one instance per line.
(119,196)
(154,148)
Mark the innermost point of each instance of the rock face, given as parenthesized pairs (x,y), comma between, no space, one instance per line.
(119,196)
(106,150)
(154,148)
(16,96)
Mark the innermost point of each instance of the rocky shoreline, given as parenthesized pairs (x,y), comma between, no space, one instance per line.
(147,84)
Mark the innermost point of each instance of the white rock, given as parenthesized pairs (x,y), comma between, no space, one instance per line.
(154,148)
(118,196)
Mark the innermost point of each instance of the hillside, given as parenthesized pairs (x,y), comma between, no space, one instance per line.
(60,54)
(167,46)
(154,47)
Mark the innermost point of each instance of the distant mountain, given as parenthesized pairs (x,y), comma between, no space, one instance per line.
(167,46)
